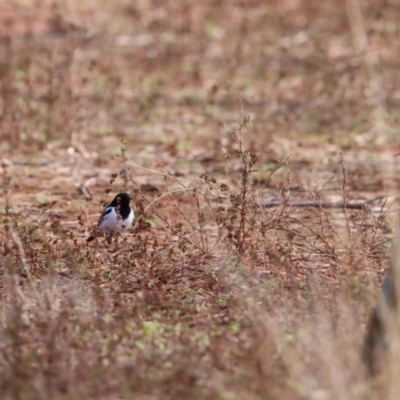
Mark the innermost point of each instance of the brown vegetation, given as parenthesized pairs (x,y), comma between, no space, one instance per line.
(200,110)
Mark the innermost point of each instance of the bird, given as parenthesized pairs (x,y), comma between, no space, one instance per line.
(117,217)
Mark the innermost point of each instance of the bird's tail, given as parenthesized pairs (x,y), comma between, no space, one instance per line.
(94,234)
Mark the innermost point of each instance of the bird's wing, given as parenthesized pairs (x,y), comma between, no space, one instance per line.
(103,216)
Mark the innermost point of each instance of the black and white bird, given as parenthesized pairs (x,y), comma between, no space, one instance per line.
(117,217)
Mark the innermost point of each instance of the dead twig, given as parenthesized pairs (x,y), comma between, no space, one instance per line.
(313,203)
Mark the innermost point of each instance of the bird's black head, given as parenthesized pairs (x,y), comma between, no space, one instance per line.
(122,200)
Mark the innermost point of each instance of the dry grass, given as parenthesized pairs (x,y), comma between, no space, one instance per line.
(199,110)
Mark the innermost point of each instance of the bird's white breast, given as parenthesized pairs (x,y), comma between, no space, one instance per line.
(113,222)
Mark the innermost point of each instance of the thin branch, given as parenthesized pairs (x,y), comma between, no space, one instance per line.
(312,203)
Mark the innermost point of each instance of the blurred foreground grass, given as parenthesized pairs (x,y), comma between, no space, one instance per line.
(207,298)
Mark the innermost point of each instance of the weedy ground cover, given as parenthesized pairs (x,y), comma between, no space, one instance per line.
(199,110)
